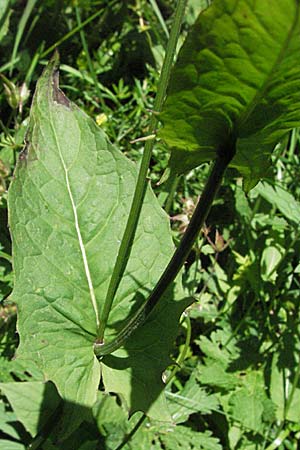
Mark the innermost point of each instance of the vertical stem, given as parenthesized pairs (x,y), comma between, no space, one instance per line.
(279,440)
(179,257)
(182,356)
(179,361)
(138,197)
(160,17)
(129,436)
(292,393)
(71,33)
(88,57)
(20,31)
(171,194)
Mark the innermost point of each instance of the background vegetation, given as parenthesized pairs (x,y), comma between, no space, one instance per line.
(236,381)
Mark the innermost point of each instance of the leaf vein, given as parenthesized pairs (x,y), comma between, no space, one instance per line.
(78,231)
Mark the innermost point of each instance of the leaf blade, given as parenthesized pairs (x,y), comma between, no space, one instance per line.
(236,76)
(68,204)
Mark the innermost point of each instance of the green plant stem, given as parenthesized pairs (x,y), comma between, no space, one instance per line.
(129,436)
(6,66)
(74,31)
(281,433)
(279,440)
(160,17)
(45,432)
(88,58)
(21,27)
(141,185)
(205,202)
(293,390)
(185,350)
(294,387)
(34,63)
(5,256)
(170,197)
(177,367)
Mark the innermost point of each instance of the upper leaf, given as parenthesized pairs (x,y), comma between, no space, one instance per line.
(237,77)
(68,206)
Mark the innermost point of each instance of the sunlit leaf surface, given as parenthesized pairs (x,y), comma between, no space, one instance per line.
(69,203)
(237,76)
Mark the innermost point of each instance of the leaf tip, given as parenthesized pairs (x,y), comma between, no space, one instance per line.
(52,74)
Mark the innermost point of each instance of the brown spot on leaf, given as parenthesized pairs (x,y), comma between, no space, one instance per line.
(24,153)
(58,95)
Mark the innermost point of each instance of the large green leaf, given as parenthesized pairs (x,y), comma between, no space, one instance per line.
(68,206)
(237,76)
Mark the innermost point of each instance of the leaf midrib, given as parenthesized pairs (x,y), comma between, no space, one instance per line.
(77,226)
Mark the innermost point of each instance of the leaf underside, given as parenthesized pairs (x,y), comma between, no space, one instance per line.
(237,76)
(68,206)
